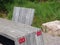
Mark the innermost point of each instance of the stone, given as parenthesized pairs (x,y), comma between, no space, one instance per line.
(52,27)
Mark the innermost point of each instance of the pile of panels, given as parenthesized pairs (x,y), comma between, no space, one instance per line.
(13,33)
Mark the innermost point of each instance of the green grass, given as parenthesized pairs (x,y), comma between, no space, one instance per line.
(44,12)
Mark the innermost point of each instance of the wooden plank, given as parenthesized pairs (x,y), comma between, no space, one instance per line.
(23,15)
(15,14)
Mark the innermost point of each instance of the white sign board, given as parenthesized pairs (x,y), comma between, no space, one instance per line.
(23,15)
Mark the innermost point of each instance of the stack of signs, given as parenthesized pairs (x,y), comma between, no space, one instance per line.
(21,34)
